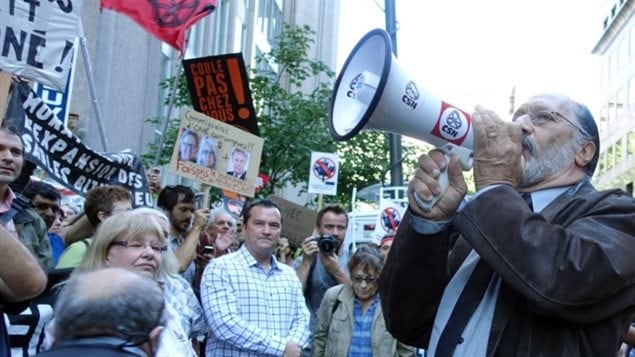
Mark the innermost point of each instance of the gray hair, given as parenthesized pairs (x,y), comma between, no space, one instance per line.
(128,306)
(215,213)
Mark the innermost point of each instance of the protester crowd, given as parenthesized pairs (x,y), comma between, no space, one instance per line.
(176,280)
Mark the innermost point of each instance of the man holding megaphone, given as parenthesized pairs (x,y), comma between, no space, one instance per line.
(498,275)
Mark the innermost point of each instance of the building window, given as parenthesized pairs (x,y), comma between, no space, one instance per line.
(630,143)
(619,102)
(631,93)
(610,118)
(270,18)
(221,26)
(602,164)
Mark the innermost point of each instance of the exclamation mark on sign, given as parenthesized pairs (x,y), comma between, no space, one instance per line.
(237,84)
(67,49)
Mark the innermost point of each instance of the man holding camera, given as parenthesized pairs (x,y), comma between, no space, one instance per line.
(317,275)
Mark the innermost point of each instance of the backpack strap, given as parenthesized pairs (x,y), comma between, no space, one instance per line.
(336,303)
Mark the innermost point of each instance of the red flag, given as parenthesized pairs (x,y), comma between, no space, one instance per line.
(168,20)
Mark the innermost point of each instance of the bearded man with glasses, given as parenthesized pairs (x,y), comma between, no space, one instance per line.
(550,273)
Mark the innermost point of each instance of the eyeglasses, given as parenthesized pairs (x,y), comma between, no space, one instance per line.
(358,279)
(543,117)
(139,247)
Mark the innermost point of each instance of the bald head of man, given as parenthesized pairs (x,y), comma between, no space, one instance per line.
(110,302)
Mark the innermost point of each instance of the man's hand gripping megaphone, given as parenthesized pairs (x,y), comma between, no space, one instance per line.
(438,186)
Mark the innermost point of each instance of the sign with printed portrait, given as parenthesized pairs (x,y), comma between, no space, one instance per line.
(217,154)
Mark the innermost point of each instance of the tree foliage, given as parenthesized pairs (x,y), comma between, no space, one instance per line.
(293,120)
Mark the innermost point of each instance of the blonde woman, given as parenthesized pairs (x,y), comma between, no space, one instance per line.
(135,240)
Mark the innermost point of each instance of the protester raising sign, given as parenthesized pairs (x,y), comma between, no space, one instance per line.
(60,154)
(38,39)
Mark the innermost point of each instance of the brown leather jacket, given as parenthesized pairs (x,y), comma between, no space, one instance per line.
(568,273)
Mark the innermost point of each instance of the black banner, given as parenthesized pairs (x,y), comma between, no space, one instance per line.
(62,155)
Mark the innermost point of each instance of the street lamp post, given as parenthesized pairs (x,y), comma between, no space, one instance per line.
(394,140)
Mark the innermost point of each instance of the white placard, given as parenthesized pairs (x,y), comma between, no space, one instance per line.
(38,38)
(323,173)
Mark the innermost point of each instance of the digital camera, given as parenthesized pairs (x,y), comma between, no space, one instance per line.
(327,243)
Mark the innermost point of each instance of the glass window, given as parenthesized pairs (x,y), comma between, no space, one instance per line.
(221,24)
(611,112)
(631,93)
(620,98)
(630,145)
(602,163)
(618,153)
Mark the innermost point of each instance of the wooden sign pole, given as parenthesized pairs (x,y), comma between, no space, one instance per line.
(5,84)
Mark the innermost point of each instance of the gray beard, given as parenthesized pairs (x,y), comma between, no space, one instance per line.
(553,158)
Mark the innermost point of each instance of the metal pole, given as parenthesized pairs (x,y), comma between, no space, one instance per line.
(166,121)
(91,85)
(394,140)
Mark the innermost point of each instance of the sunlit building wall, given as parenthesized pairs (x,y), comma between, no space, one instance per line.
(616,48)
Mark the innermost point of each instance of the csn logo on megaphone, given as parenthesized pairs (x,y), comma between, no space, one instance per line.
(411,95)
(453,124)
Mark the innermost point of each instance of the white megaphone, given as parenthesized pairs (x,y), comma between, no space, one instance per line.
(373,92)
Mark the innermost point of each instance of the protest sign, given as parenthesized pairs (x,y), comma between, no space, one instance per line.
(323,173)
(219,88)
(59,100)
(233,203)
(236,153)
(298,222)
(62,155)
(38,38)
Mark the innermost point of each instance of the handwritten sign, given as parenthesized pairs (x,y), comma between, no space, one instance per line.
(298,222)
(236,153)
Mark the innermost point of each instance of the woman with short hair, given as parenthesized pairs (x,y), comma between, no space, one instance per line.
(350,321)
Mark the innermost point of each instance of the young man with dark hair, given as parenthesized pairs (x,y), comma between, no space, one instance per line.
(186,224)
(101,202)
(45,200)
(15,214)
(317,269)
(22,239)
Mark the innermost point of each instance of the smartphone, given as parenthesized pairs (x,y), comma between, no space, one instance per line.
(198,202)
(208,249)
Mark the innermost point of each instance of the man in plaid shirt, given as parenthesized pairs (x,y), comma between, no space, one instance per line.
(253,304)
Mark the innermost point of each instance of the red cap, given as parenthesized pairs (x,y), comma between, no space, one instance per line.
(387,238)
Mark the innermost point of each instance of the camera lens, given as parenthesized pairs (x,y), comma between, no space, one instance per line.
(327,243)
